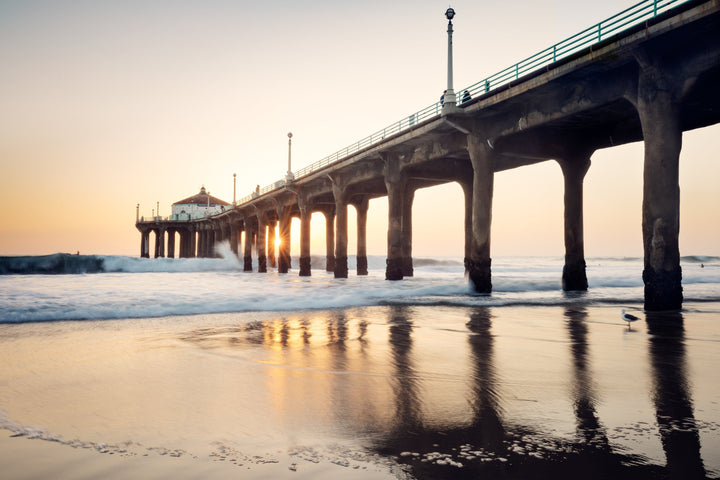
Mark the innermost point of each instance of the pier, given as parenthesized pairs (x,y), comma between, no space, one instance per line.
(647,74)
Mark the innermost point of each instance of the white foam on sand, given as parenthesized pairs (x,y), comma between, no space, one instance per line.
(78,459)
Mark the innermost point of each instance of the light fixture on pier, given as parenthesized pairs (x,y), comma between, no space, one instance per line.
(449,98)
(289,177)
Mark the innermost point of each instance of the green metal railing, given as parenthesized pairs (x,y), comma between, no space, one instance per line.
(592,35)
(624,20)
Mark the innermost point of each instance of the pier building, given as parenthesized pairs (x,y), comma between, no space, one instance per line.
(198,206)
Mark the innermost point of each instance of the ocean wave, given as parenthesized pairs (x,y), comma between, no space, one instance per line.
(57,263)
(702,259)
(226,261)
(140,287)
(433,262)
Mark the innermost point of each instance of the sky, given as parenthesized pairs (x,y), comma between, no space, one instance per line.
(108,105)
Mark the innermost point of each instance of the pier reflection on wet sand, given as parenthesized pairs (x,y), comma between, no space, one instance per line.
(487,393)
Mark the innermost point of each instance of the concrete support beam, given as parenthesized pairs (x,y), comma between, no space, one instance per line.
(395,185)
(362,210)
(659,111)
(341,229)
(193,243)
(305,217)
(222,233)
(285,225)
(329,240)
(247,254)
(234,232)
(271,243)
(185,240)
(467,187)
(159,242)
(209,242)
(182,246)
(261,243)
(203,240)
(171,243)
(574,168)
(406,238)
(145,244)
(478,263)
(206,242)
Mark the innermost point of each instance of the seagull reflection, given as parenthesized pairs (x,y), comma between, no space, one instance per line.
(673,404)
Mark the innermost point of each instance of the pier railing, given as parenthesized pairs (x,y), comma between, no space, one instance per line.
(638,13)
(182,217)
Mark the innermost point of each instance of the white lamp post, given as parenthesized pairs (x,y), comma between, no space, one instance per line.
(289,177)
(449,99)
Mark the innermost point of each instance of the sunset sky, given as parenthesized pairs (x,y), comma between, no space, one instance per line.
(108,104)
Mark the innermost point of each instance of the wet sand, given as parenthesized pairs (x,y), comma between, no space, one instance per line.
(377,392)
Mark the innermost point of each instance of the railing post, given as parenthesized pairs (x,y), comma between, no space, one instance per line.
(599,32)
(654,8)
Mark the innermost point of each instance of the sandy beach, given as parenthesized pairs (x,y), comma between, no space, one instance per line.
(372,392)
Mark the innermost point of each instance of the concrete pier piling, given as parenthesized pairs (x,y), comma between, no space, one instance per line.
(660,91)
(574,168)
(483,162)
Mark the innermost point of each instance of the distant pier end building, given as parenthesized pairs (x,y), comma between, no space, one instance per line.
(198,206)
(186,221)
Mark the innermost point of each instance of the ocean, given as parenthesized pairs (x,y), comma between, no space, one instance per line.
(194,368)
(93,287)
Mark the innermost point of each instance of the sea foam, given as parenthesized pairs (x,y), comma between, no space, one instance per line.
(137,288)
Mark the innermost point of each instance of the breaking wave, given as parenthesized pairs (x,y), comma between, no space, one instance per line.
(85,287)
(58,263)
(69,264)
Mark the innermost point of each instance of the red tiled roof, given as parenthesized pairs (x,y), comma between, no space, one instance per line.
(202,198)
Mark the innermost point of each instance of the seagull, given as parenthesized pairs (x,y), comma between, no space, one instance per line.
(628,318)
